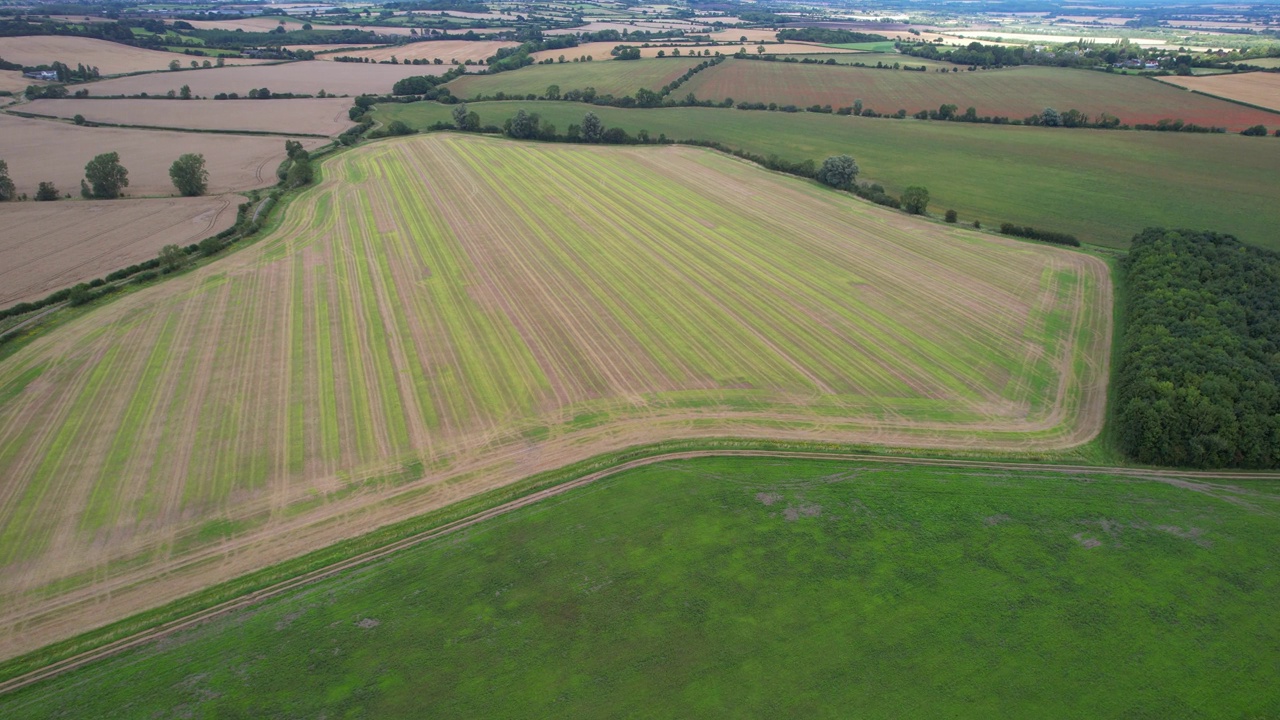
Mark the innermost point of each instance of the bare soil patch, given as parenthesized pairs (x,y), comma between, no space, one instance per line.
(297,77)
(311,116)
(40,150)
(110,58)
(1256,88)
(48,246)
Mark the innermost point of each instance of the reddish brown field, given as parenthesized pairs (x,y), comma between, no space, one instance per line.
(296,77)
(47,246)
(1256,88)
(39,150)
(312,116)
(1013,92)
(110,58)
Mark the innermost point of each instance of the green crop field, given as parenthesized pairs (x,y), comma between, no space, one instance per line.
(608,78)
(448,313)
(1011,92)
(1102,185)
(762,588)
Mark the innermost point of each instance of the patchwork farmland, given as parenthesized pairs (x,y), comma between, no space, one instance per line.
(1011,92)
(396,345)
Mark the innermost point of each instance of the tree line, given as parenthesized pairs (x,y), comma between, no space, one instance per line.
(1199,376)
(105,179)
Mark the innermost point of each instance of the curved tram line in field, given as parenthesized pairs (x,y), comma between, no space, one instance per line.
(1190,479)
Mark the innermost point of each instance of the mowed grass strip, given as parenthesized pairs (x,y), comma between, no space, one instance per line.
(448,301)
(608,78)
(1102,185)
(1010,92)
(725,587)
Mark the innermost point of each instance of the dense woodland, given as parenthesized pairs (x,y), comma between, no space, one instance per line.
(1199,379)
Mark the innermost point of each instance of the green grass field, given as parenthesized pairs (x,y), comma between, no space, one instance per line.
(1011,92)
(1104,186)
(608,78)
(752,588)
(448,313)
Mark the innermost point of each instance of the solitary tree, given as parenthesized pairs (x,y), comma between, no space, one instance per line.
(185,92)
(522,125)
(857,106)
(172,258)
(7,189)
(553,92)
(592,129)
(460,115)
(47,191)
(915,199)
(174,65)
(1050,117)
(188,174)
(838,171)
(106,175)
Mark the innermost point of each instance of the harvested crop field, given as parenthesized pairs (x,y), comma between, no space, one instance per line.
(309,116)
(12,81)
(39,150)
(395,345)
(1012,92)
(48,246)
(1256,88)
(296,77)
(110,58)
(445,50)
(267,24)
(608,78)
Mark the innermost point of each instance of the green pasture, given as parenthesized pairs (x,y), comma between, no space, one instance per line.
(724,587)
(882,46)
(606,76)
(1102,185)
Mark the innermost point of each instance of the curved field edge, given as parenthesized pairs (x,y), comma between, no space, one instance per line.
(234,555)
(65,655)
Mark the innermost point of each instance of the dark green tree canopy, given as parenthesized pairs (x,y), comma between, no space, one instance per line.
(915,200)
(838,171)
(7,189)
(592,129)
(106,176)
(188,175)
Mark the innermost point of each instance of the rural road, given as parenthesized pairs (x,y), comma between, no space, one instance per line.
(81,659)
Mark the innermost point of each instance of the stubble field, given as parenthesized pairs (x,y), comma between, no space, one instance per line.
(308,77)
(48,246)
(40,150)
(446,50)
(311,116)
(448,314)
(110,58)
(1012,92)
(1256,88)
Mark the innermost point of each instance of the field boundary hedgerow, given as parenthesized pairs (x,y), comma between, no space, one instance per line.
(256,587)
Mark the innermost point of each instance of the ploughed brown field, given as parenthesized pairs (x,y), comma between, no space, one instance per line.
(51,150)
(48,246)
(310,116)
